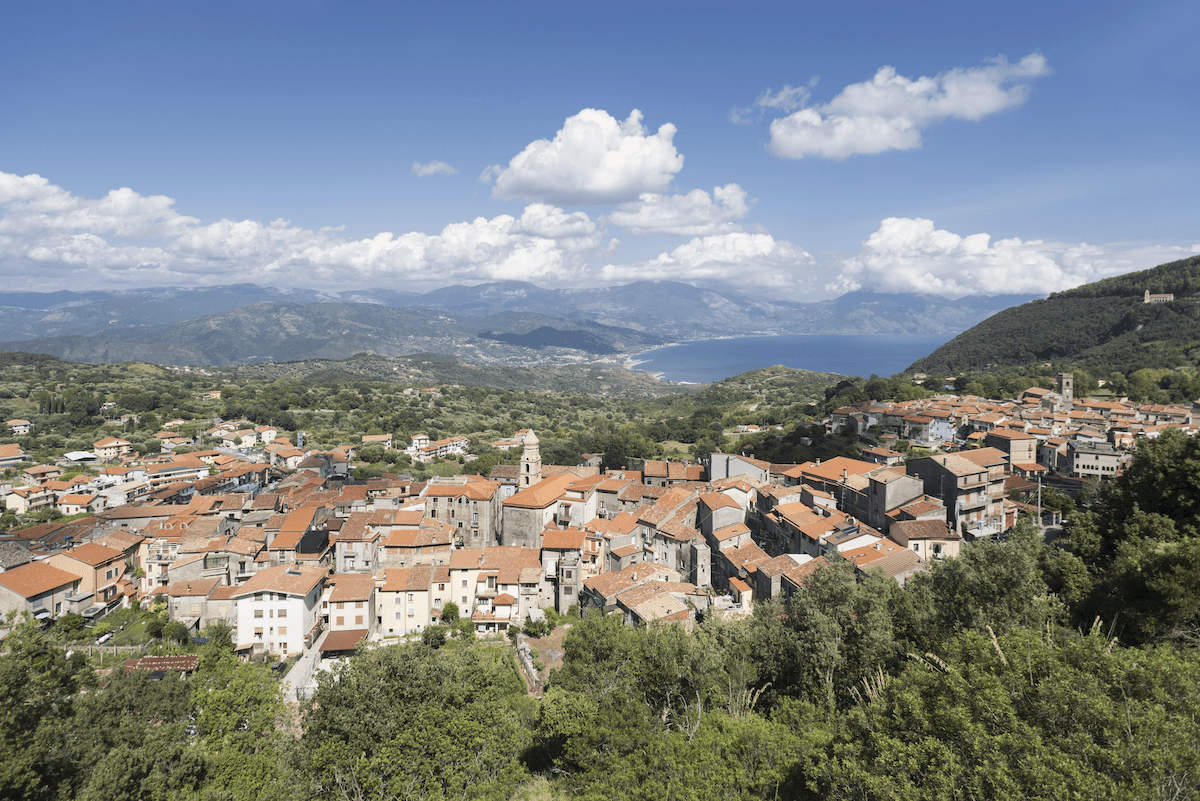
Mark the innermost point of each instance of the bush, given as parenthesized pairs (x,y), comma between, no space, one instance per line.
(434,636)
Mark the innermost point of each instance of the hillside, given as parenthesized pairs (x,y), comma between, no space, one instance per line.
(278,332)
(510,322)
(1104,326)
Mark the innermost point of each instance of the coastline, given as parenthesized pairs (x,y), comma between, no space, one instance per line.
(705,361)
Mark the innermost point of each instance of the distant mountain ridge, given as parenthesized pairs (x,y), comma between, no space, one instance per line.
(1104,326)
(488,323)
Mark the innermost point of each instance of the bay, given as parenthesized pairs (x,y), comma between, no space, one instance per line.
(706,360)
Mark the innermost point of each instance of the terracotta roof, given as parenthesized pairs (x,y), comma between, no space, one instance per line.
(351,586)
(569,539)
(541,494)
(290,579)
(923,530)
(193,587)
(34,578)
(718,500)
(609,584)
(896,563)
(343,640)
(94,554)
(729,532)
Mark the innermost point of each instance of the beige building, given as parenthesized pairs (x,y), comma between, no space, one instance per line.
(38,588)
(99,568)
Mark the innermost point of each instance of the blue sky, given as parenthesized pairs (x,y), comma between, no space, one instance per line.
(797,150)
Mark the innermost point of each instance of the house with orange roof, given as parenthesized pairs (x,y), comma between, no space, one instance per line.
(78,503)
(278,609)
(471,505)
(100,569)
(409,538)
(600,592)
(39,588)
(348,603)
(409,599)
(527,513)
(111,448)
(479,575)
(659,602)
(928,539)
(27,500)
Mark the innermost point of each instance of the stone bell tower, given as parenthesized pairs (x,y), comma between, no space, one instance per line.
(531,462)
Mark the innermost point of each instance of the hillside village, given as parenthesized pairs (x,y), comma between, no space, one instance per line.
(280,543)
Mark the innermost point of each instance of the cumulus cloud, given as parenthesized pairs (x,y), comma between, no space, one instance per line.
(573,231)
(912,255)
(594,158)
(432,168)
(890,111)
(126,239)
(736,258)
(695,214)
(35,206)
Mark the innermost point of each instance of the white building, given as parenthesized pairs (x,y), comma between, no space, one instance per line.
(278,607)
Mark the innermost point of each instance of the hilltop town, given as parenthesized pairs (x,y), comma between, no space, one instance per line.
(280,543)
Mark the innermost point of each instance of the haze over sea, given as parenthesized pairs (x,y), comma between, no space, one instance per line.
(707,360)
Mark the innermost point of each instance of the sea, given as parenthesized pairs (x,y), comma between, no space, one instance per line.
(704,361)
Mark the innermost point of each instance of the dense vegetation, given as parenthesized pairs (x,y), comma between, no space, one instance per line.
(1104,327)
(972,681)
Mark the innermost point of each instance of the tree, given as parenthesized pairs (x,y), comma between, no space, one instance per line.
(450,613)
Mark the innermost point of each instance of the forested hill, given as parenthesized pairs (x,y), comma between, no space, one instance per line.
(1104,326)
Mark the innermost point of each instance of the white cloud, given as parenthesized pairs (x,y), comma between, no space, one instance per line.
(912,255)
(432,168)
(890,111)
(734,259)
(695,214)
(34,205)
(124,239)
(594,158)
(574,231)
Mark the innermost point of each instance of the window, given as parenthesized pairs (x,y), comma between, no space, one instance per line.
(358,604)
(341,621)
(568,590)
(258,633)
(399,614)
(464,600)
(258,613)
(464,584)
(412,611)
(437,601)
(341,605)
(283,631)
(38,603)
(358,620)
(282,613)
(441,587)
(410,597)
(569,573)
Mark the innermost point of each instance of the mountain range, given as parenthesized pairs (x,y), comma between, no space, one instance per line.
(510,322)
